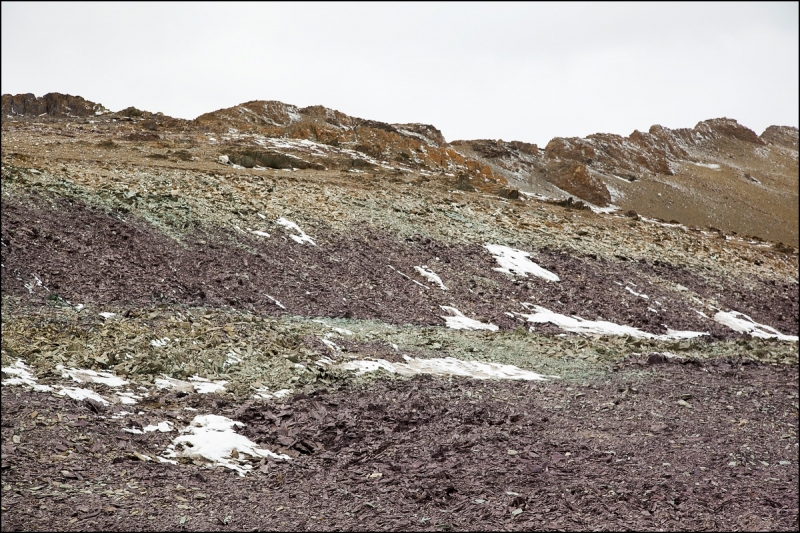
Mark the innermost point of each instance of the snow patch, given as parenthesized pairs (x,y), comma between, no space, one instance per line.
(430,275)
(276,302)
(159,343)
(646,297)
(205,386)
(608,209)
(213,438)
(77,393)
(200,385)
(263,393)
(448,366)
(459,321)
(24,376)
(129,398)
(513,261)
(408,278)
(300,239)
(576,324)
(232,358)
(332,345)
(163,427)
(744,324)
(90,376)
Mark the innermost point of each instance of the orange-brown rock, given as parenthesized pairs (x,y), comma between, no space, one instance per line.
(629,157)
(417,145)
(575,179)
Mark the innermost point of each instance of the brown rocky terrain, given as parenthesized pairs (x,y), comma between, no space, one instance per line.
(718,174)
(50,105)
(750,180)
(287,318)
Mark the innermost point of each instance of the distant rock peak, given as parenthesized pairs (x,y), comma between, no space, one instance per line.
(51,104)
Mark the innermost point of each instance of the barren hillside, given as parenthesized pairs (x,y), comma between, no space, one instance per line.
(289,318)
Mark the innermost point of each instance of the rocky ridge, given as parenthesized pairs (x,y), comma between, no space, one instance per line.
(51,105)
(663,173)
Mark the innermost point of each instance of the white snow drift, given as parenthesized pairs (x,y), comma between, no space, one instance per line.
(163,427)
(576,324)
(212,437)
(200,385)
(513,261)
(24,376)
(300,239)
(459,321)
(744,324)
(91,376)
(448,366)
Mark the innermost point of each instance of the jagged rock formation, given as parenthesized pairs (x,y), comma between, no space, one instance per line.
(785,136)
(414,145)
(51,104)
(718,173)
(575,179)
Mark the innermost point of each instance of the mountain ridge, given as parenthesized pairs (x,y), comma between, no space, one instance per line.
(671,174)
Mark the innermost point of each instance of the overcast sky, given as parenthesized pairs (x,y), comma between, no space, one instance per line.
(525,72)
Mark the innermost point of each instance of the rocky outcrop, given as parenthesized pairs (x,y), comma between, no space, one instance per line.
(498,149)
(575,179)
(51,104)
(431,135)
(719,128)
(628,157)
(785,136)
(418,146)
(659,151)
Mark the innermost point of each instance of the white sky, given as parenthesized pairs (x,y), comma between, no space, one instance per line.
(511,71)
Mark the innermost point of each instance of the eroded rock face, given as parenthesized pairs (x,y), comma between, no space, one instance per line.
(629,157)
(492,149)
(51,104)
(575,179)
(414,145)
(785,136)
(429,133)
(717,128)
